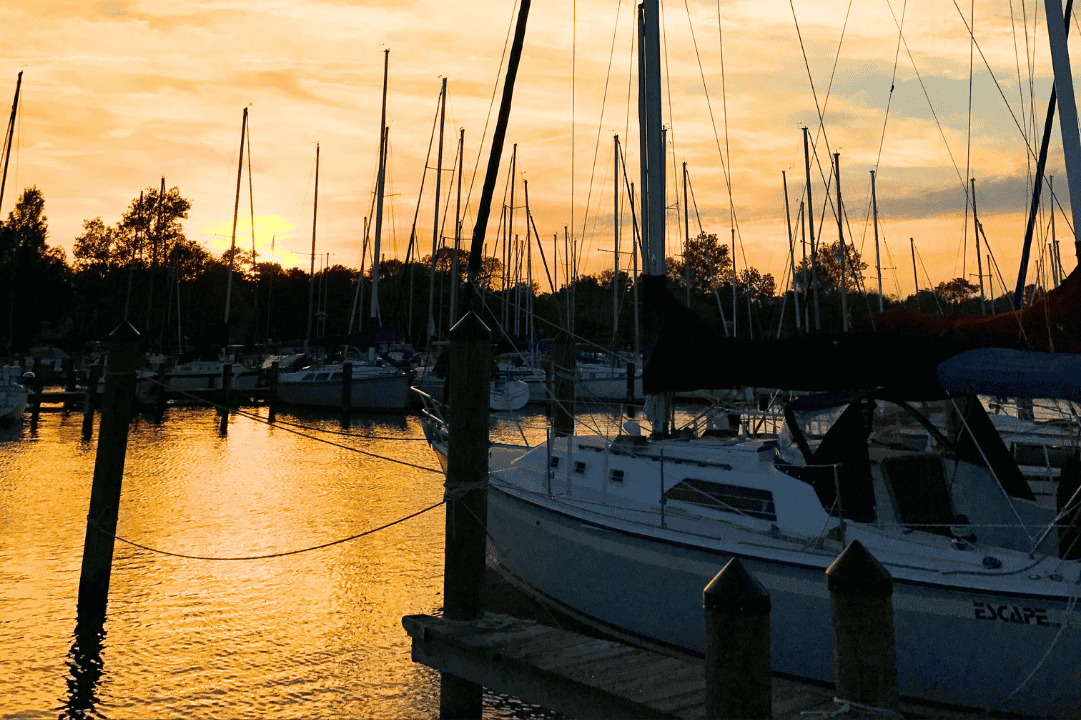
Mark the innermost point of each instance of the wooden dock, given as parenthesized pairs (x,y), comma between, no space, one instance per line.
(578,675)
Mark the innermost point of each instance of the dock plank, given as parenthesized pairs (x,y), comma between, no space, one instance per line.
(578,675)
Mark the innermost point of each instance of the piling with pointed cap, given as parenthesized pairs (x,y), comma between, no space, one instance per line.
(36,387)
(226,393)
(108,470)
(94,375)
(861,609)
(272,392)
(467,496)
(347,393)
(738,681)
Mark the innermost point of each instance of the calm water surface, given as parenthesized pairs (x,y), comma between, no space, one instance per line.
(311,635)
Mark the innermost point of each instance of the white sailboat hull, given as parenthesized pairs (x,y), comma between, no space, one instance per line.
(968,647)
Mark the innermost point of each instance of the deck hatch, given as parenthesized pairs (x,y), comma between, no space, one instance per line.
(721,496)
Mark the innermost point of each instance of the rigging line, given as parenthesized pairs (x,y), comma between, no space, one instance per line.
(600,121)
(267,556)
(491,103)
(709,105)
(893,84)
(1017,66)
(968,145)
(727,146)
(923,87)
(420,193)
(930,282)
(998,86)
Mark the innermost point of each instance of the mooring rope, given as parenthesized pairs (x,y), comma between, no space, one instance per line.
(99,528)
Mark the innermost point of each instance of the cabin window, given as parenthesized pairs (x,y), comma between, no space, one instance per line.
(554,462)
(321,376)
(336,376)
(1057,456)
(579,467)
(730,498)
(309,376)
(616,476)
(1029,454)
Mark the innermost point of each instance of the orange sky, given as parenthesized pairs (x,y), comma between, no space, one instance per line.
(117,93)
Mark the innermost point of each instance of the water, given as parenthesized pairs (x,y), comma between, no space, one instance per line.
(316,634)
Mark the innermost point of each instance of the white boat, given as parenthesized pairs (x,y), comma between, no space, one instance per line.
(12,394)
(372,386)
(503,395)
(593,382)
(201,375)
(624,533)
(507,395)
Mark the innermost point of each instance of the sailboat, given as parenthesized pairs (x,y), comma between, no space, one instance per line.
(624,533)
(375,383)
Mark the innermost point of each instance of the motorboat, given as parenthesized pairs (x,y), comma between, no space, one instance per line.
(13,394)
(372,386)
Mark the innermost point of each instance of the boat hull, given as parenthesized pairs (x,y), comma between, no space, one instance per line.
(966,648)
(388,392)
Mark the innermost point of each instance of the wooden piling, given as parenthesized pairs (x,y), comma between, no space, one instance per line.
(272,392)
(108,471)
(861,610)
(347,393)
(467,497)
(738,679)
(226,386)
(160,392)
(36,386)
(69,382)
(92,379)
(630,381)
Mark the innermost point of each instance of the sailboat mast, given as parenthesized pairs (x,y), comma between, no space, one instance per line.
(686,238)
(1054,238)
(615,252)
(979,257)
(10,135)
(791,247)
(236,212)
(384,136)
(1041,160)
(435,222)
(915,276)
(1071,139)
(841,241)
(455,270)
(878,257)
(809,219)
(315,217)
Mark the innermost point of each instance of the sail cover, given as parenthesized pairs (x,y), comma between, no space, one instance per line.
(1013,373)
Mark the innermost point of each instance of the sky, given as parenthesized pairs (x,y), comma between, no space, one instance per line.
(117,94)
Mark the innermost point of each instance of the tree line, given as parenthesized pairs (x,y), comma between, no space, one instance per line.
(145,270)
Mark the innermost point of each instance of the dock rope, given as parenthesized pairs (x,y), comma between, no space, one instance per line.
(286,428)
(99,528)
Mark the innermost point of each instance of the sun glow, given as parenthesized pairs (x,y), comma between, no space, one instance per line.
(271,232)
